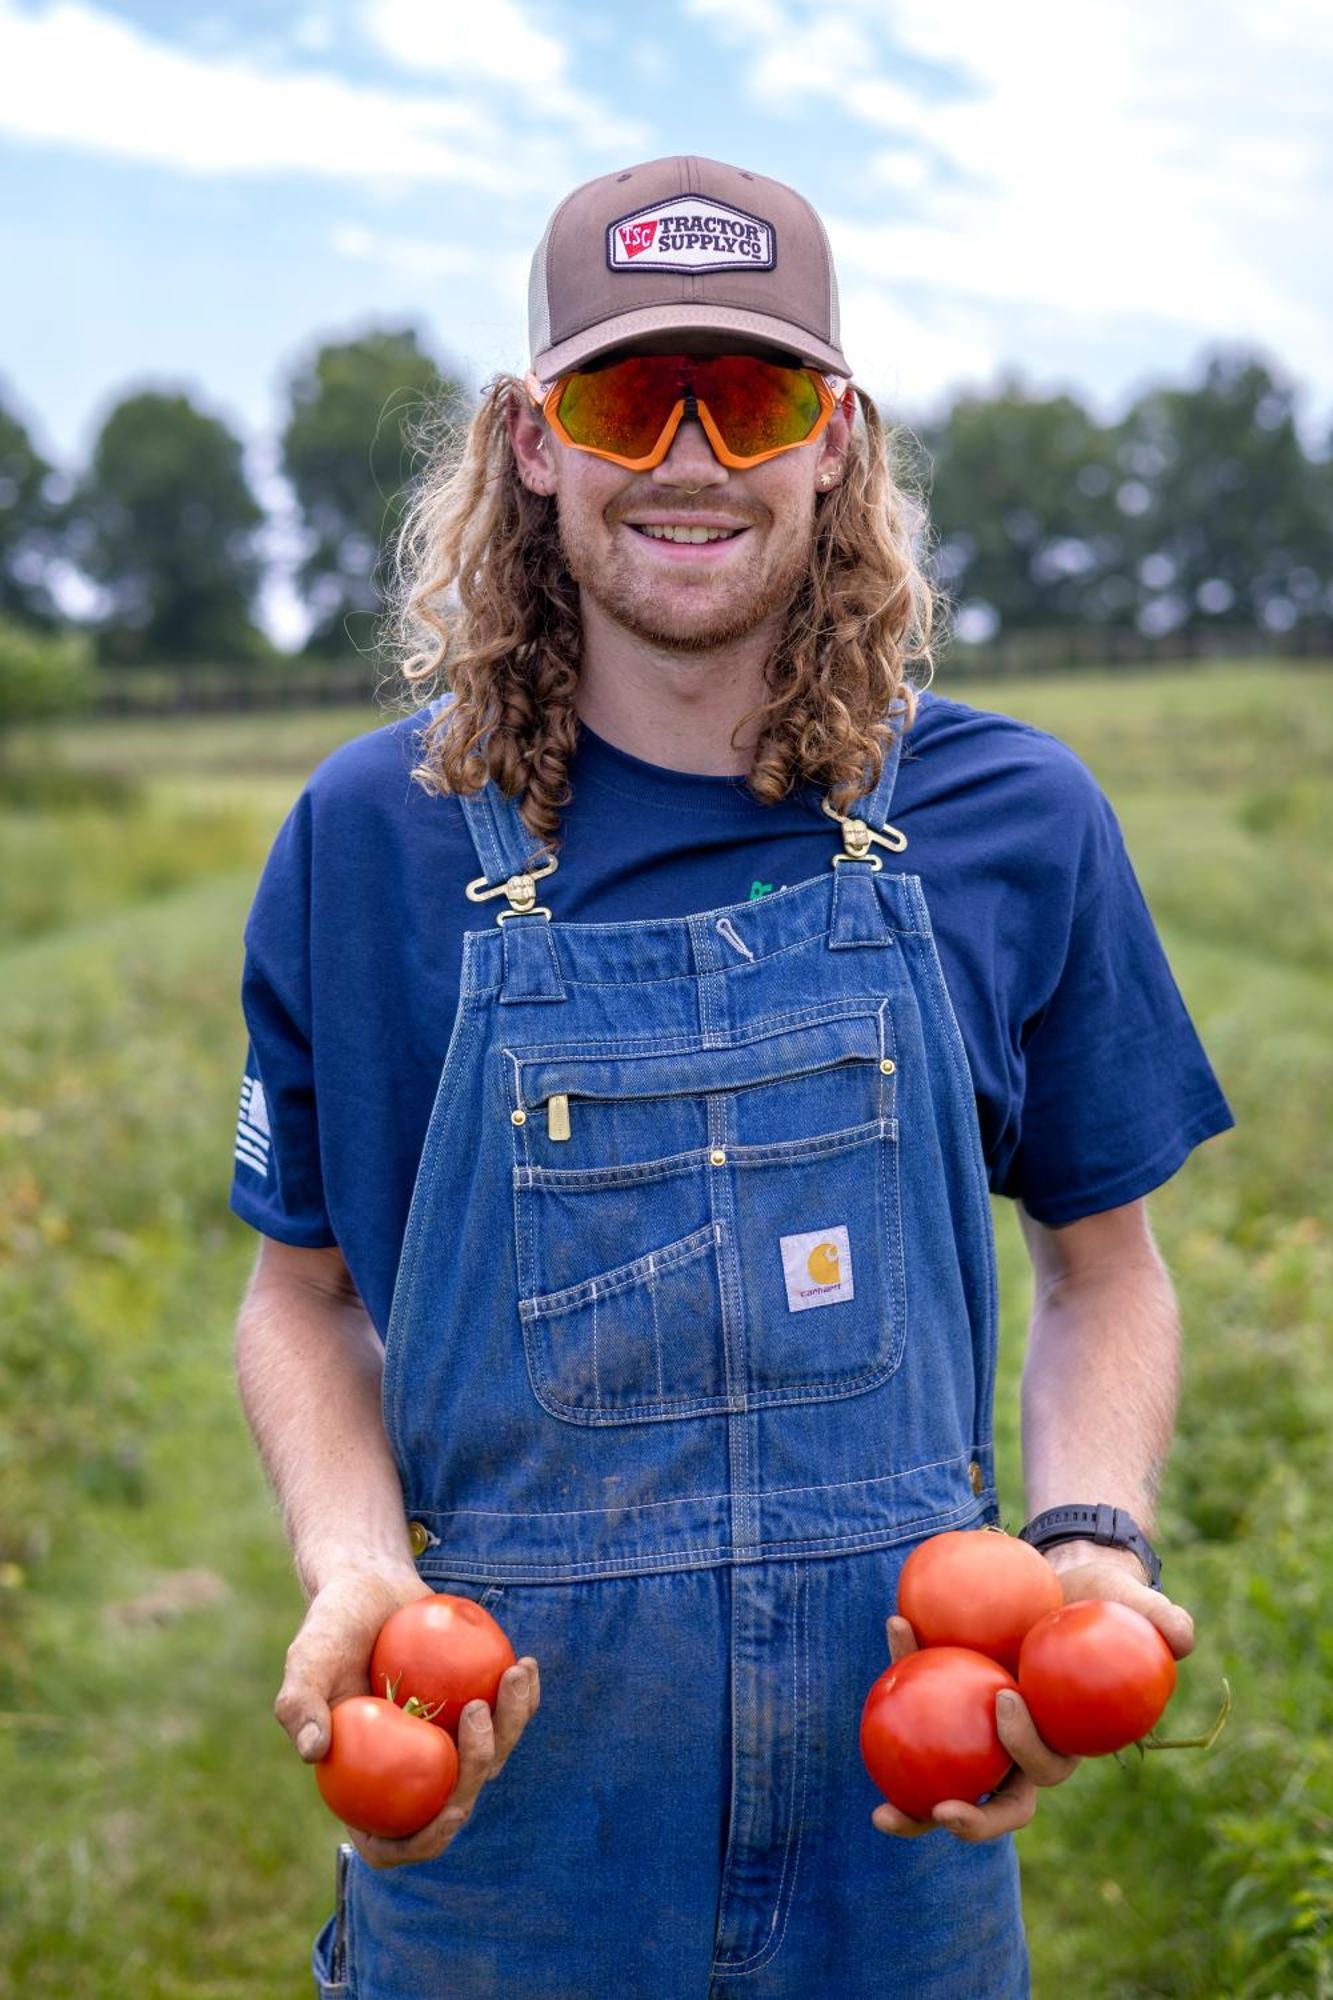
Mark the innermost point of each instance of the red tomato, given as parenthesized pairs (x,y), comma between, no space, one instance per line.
(384,1771)
(976,1587)
(1095,1675)
(441,1649)
(928,1729)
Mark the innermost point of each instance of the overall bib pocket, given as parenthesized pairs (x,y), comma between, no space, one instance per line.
(701,1228)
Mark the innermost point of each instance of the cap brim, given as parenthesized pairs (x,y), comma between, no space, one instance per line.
(609,333)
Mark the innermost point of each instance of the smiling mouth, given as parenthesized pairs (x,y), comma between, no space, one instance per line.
(673,534)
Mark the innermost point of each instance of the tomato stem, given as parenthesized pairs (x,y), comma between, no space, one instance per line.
(1205,1742)
(414,1707)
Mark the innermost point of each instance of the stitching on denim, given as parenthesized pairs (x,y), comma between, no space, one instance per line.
(759,1028)
(620,1278)
(948,1024)
(657,1331)
(599,1569)
(740,1607)
(466,1020)
(733,1968)
(688,1499)
(571,1180)
(821,1389)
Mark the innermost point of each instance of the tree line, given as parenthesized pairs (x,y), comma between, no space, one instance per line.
(1198,510)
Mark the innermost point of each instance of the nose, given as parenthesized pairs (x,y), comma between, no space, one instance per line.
(690,461)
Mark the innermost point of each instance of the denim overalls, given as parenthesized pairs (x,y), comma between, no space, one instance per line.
(693,1338)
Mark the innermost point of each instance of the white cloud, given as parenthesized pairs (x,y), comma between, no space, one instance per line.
(76,75)
(495,43)
(1171,162)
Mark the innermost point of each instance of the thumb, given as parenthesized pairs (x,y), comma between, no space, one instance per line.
(304,1714)
(902,1639)
(312,1737)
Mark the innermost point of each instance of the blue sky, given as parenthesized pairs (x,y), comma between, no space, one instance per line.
(1091,193)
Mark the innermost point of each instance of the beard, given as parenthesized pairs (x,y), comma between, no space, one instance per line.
(679,626)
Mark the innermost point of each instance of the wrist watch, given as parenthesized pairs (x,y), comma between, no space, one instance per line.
(1112,1527)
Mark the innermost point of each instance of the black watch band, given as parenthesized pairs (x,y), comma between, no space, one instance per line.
(1111,1526)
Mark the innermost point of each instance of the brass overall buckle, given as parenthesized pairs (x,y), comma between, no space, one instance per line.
(857,837)
(521,890)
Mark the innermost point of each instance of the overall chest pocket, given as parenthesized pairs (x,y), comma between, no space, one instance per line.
(707,1228)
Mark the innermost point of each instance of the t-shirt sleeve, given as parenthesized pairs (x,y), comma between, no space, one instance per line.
(277,1185)
(1118,1089)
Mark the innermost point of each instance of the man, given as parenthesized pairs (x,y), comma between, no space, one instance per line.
(637,1076)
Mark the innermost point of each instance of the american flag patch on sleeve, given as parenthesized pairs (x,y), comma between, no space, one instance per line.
(252,1127)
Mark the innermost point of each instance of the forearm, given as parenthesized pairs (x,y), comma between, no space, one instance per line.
(1100,1388)
(309,1368)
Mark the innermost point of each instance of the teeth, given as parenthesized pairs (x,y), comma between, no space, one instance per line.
(687,534)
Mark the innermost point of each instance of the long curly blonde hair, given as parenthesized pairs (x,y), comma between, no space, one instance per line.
(480,601)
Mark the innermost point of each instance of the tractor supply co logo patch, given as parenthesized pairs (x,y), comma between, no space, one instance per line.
(690,233)
(817,1267)
(253,1136)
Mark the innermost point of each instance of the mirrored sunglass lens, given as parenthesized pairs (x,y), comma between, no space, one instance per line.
(621,408)
(757,407)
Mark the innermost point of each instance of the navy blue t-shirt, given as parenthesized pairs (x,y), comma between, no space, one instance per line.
(1091,1083)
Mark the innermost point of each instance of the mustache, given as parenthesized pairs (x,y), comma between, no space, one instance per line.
(663,498)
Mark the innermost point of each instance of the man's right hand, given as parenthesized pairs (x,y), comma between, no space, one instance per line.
(330,1658)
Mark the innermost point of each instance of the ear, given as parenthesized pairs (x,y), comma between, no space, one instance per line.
(532,444)
(833,445)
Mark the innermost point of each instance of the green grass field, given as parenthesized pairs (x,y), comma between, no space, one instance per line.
(163,1839)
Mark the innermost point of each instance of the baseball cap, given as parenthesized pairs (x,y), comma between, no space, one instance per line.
(682,245)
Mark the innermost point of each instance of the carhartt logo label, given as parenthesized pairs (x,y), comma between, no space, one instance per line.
(817,1267)
(690,233)
(636,237)
(252,1127)
(822,1264)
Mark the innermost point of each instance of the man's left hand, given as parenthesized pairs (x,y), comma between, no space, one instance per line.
(1085,1570)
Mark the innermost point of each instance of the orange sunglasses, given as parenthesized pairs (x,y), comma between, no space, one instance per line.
(630,410)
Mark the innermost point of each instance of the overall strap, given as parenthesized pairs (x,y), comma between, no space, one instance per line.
(858,916)
(504,846)
(511,866)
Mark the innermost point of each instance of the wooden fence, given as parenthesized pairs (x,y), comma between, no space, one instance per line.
(356,683)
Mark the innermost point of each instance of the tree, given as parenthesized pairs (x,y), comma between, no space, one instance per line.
(29,518)
(347,452)
(165,521)
(42,675)
(1018,505)
(1227,521)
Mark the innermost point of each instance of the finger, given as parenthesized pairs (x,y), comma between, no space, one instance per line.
(1109,1580)
(304,1715)
(1173,1621)
(383,1851)
(889,1820)
(514,1705)
(1007,1809)
(315,1675)
(1018,1733)
(476,1753)
(901,1637)
(302,1704)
